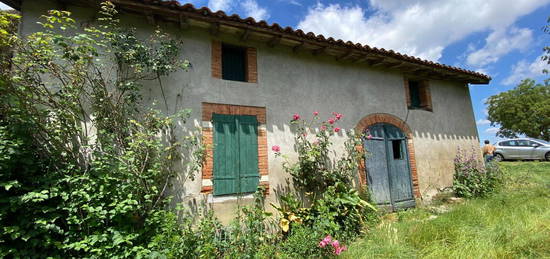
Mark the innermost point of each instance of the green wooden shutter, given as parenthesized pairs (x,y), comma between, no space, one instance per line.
(414,91)
(248,153)
(235,154)
(233,63)
(226,159)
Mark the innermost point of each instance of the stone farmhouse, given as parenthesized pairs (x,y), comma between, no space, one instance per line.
(248,77)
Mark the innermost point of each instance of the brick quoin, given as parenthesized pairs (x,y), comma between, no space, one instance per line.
(216,59)
(251,65)
(393,120)
(207,137)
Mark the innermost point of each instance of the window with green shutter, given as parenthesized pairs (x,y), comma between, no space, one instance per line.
(414,91)
(419,95)
(233,63)
(235,154)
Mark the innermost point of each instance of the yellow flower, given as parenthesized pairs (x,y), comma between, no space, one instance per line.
(284,224)
(294,218)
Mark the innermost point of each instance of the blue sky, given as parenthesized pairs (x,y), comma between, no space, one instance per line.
(502,38)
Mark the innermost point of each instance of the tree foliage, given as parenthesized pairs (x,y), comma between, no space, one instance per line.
(524,110)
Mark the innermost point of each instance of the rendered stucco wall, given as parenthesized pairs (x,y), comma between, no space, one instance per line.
(301,83)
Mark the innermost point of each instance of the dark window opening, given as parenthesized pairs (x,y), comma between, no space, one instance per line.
(414,92)
(233,63)
(397,150)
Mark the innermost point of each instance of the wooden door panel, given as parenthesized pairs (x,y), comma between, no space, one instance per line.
(226,164)
(398,165)
(377,167)
(248,153)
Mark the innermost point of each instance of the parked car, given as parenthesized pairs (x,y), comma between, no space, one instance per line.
(522,149)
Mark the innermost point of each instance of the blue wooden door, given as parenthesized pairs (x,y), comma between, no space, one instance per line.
(377,168)
(387,167)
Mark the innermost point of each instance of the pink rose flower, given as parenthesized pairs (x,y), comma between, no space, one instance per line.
(331,120)
(339,116)
(327,239)
(339,250)
(295,117)
(323,127)
(335,244)
(315,113)
(276,148)
(336,129)
(322,244)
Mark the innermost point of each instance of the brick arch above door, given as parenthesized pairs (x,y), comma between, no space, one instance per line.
(375,118)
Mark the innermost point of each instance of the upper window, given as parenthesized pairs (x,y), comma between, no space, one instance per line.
(233,63)
(418,94)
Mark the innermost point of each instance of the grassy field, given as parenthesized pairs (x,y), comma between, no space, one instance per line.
(513,223)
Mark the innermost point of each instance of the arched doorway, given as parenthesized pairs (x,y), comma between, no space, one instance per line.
(387,167)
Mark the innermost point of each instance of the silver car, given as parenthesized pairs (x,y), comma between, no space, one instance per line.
(522,149)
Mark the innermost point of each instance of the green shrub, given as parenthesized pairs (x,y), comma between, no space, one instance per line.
(84,168)
(249,235)
(302,242)
(472,178)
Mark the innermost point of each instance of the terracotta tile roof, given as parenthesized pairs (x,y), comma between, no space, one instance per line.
(205,11)
(249,22)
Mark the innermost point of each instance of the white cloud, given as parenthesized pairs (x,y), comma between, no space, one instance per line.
(492,130)
(224,5)
(416,27)
(500,42)
(292,2)
(4,6)
(252,9)
(524,69)
(483,122)
(249,7)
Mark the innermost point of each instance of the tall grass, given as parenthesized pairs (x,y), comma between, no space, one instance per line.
(512,223)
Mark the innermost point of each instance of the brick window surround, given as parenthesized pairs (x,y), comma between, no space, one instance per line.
(425,94)
(395,121)
(251,62)
(207,130)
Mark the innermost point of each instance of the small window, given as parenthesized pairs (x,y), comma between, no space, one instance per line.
(233,63)
(414,93)
(397,150)
(419,96)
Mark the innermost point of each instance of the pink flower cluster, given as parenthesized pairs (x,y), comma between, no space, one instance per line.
(276,148)
(295,117)
(335,244)
(337,117)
